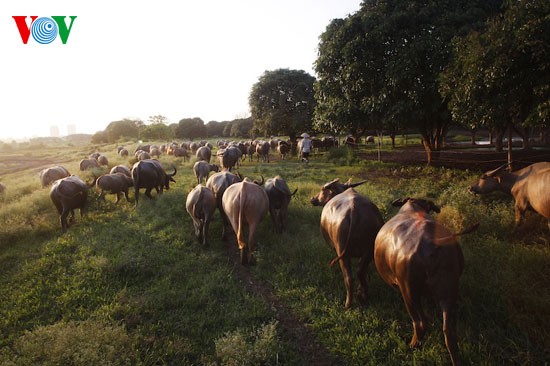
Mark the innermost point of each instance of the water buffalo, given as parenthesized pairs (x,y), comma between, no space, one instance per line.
(121,169)
(204,153)
(145,148)
(155,151)
(95,155)
(202,169)
(279,198)
(422,258)
(262,149)
(49,175)
(123,152)
(219,182)
(102,160)
(283,148)
(201,205)
(349,224)
(181,152)
(529,187)
(86,164)
(251,149)
(229,157)
(245,204)
(150,174)
(116,183)
(143,155)
(68,194)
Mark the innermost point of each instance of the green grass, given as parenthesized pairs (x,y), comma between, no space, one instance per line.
(138,279)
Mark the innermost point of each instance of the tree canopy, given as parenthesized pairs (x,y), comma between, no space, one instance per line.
(282,102)
(191,128)
(500,76)
(379,68)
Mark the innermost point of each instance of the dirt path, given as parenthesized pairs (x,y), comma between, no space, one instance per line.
(312,352)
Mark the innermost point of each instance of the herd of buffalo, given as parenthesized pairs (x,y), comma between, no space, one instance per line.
(411,251)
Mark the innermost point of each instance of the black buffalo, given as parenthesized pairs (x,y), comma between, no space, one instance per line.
(150,174)
(68,194)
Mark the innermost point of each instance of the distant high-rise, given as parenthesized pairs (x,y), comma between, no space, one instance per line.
(54,131)
(71,129)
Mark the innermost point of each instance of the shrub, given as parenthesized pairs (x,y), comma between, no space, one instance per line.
(259,347)
(75,343)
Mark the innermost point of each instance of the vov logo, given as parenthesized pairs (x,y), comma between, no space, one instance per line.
(44,30)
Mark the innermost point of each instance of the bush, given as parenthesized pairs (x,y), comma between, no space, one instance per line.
(75,343)
(259,347)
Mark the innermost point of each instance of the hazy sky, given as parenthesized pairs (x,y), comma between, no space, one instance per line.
(135,59)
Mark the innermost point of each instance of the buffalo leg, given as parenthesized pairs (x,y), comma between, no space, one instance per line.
(148,192)
(126,196)
(273,215)
(362,274)
(449,330)
(117,198)
(205,225)
(414,307)
(345,266)
(63,220)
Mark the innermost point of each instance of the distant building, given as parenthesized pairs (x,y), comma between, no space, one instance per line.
(71,129)
(54,131)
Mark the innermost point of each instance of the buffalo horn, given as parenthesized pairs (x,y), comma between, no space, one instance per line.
(355,184)
(175,171)
(293,193)
(493,172)
(326,186)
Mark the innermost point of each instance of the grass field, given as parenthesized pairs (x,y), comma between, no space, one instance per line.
(129,286)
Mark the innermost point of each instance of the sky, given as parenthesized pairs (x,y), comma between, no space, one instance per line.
(136,59)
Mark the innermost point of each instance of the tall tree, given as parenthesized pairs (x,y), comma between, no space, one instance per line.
(380,66)
(125,128)
(282,102)
(499,78)
(158,119)
(191,128)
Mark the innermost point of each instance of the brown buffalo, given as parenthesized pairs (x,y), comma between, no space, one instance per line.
(102,160)
(245,204)
(283,148)
(262,149)
(68,194)
(279,198)
(529,187)
(117,183)
(218,183)
(201,204)
(349,224)
(123,152)
(229,157)
(422,258)
(49,175)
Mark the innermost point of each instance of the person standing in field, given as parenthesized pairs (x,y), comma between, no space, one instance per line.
(305,147)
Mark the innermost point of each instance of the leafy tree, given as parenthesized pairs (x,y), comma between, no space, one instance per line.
(380,66)
(499,78)
(157,131)
(100,137)
(214,128)
(126,128)
(191,128)
(241,127)
(158,119)
(282,102)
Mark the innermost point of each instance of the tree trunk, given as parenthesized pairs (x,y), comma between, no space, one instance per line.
(498,140)
(428,147)
(510,147)
(473,136)
(524,134)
